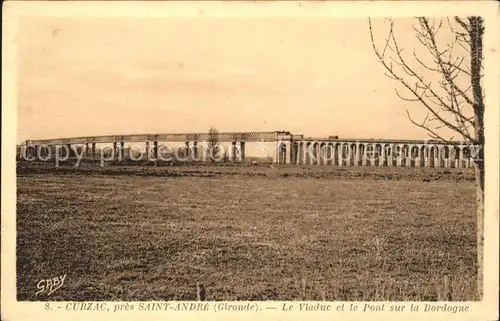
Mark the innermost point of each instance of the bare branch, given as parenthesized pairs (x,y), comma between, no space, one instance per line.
(457,66)
(404,98)
(422,64)
(423,125)
(463,24)
(423,91)
(444,71)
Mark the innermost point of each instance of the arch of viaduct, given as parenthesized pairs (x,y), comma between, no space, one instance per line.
(295,149)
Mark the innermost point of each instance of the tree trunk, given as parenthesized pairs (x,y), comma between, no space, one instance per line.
(479,169)
(476,46)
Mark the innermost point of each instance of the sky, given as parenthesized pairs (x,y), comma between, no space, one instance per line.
(105,76)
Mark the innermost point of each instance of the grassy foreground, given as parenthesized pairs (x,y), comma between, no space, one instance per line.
(120,237)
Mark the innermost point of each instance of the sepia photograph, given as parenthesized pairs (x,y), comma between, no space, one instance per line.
(251,158)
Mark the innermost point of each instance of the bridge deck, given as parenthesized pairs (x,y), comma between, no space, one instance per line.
(222,137)
(176,137)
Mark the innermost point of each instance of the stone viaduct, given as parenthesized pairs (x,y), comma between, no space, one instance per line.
(290,148)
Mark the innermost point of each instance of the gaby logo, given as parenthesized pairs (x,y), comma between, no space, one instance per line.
(49,286)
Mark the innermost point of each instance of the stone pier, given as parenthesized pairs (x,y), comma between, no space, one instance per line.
(155,150)
(148,151)
(122,151)
(242,151)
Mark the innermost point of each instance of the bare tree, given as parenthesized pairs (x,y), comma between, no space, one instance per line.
(456,100)
(213,143)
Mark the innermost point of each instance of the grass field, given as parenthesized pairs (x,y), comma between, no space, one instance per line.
(259,236)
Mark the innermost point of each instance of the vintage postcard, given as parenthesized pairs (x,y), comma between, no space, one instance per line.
(250,160)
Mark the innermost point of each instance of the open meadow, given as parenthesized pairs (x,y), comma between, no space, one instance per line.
(246,234)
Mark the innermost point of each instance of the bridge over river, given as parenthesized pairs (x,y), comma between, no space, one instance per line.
(284,147)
